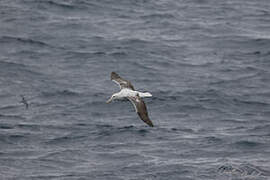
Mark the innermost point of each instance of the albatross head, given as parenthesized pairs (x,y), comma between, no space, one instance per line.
(114,96)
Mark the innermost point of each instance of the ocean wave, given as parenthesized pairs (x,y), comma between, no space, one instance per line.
(108,130)
(158,16)
(69,5)
(213,140)
(233,121)
(13,138)
(65,5)
(250,102)
(76,54)
(260,128)
(236,79)
(135,42)
(19,70)
(6,126)
(142,67)
(16,117)
(52,176)
(31,127)
(8,107)
(186,130)
(65,139)
(59,154)
(7,64)
(99,53)
(118,54)
(65,92)
(12,39)
(245,144)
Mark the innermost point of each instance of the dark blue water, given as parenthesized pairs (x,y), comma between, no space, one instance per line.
(207,64)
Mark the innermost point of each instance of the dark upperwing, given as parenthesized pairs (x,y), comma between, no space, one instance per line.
(141,109)
(121,82)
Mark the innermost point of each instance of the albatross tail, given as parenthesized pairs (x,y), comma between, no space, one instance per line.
(146,94)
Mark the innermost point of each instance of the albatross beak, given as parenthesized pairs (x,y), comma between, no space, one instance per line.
(110,100)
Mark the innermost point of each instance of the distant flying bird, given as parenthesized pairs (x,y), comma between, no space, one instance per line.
(24,102)
(135,97)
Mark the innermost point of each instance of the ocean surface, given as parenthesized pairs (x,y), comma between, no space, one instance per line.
(207,64)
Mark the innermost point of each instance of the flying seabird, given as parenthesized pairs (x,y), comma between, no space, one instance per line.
(24,102)
(135,97)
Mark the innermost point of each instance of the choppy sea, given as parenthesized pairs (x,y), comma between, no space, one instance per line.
(207,64)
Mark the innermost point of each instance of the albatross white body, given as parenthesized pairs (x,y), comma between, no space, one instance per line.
(124,93)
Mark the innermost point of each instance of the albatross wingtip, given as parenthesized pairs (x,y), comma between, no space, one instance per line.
(114,75)
(151,124)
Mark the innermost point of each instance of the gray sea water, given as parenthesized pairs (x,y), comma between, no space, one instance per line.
(207,64)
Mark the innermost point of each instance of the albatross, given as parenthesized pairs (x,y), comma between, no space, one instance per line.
(135,97)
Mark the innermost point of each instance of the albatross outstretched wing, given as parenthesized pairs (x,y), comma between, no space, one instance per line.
(121,82)
(141,109)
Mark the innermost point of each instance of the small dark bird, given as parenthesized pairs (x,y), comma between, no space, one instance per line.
(24,102)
